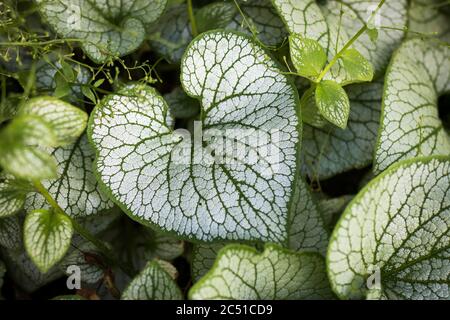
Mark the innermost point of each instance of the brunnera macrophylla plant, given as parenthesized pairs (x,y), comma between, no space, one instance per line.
(260,149)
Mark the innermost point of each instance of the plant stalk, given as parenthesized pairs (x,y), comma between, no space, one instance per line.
(348,44)
(192,18)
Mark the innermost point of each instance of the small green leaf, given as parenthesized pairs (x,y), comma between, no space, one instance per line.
(99,82)
(324,22)
(47,236)
(48,75)
(67,122)
(215,15)
(62,88)
(329,151)
(333,103)
(67,71)
(241,272)
(308,56)
(12,195)
(373,34)
(357,67)
(310,112)
(19,154)
(153,283)
(88,93)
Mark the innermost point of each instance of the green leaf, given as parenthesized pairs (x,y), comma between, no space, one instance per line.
(107,29)
(67,71)
(307,55)
(373,34)
(333,103)
(88,93)
(62,88)
(397,227)
(322,20)
(76,189)
(19,154)
(241,272)
(12,195)
(10,232)
(410,125)
(215,15)
(67,122)
(309,110)
(47,78)
(328,150)
(47,236)
(357,67)
(203,198)
(153,283)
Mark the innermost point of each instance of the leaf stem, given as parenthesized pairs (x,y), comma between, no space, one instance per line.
(41,43)
(192,18)
(107,253)
(348,44)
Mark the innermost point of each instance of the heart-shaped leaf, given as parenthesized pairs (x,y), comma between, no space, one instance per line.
(47,236)
(153,283)
(356,66)
(393,239)
(410,125)
(324,22)
(240,272)
(107,29)
(76,189)
(165,179)
(333,103)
